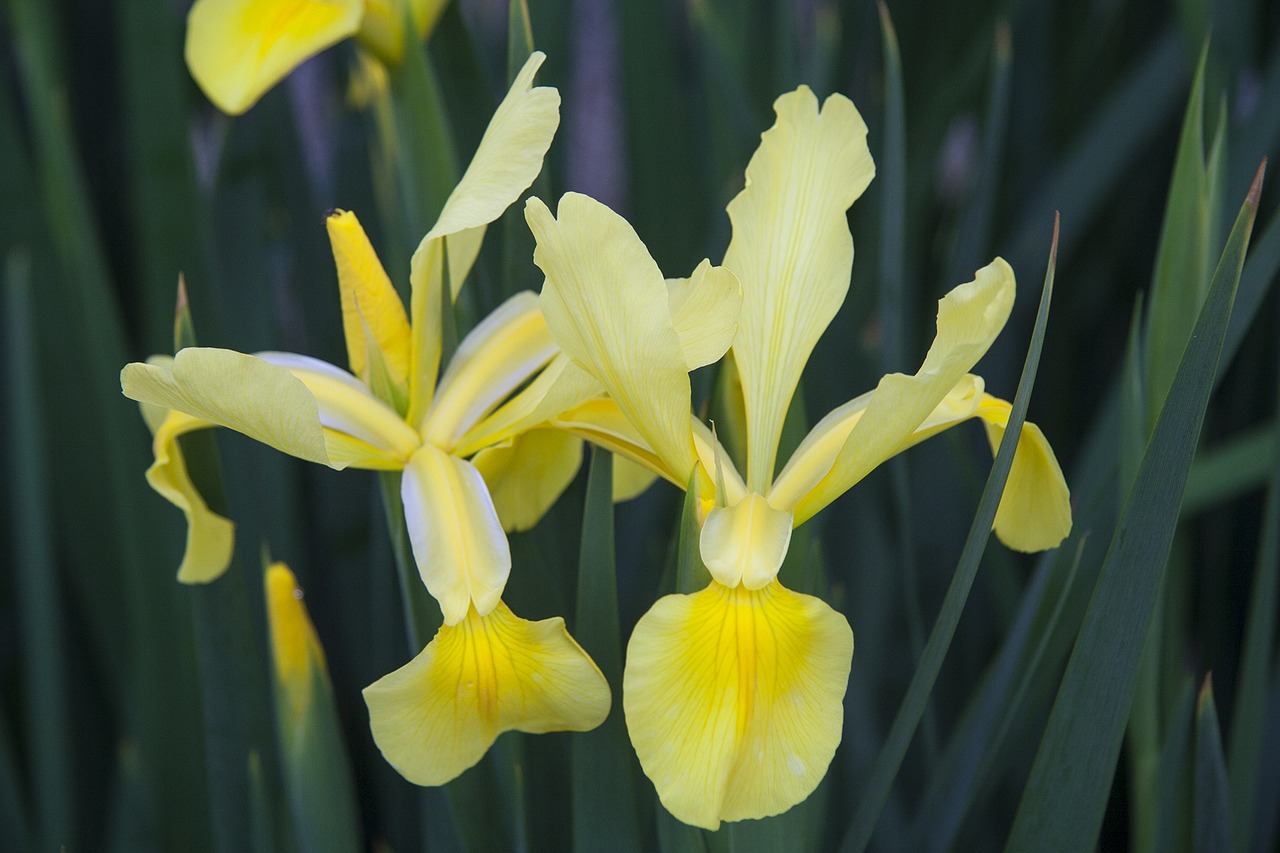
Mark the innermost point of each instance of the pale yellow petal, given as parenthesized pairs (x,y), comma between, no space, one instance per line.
(368,300)
(602,423)
(499,355)
(458,543)
(630,479)
(704,310)
(528,473)
(438,714)
(969,318)
(792,252)
(745,543)
(605,302)
(295,647)
(1035,509)
(238,49)
(734,699)
(210,537)
(716,460)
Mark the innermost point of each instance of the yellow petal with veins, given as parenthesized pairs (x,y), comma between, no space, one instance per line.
(605,302)
(969,318)
(734,699)
(438,714)
(745,543)
(458,543)
(238,49)
(792,252)
(704,310)
(526,474)
(602,423)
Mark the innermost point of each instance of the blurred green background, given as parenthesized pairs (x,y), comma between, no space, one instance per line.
(135,712)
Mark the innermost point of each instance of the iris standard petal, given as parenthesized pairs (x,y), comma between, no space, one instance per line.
(969,318)
(210,537)
(605,302)
(792,252)
(526,474)
(734,699)
(704,310)
(238,49)
(368,300)
(458,543)
(438,714)
(745,543)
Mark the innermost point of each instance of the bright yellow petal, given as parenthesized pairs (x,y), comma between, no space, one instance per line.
(295,647)
(734,699)
(792,252)
(526,474)
(1035,509)
(368,300)
(458,543)
(630,480)
(438,714)
(210,537)
(499,355)
(969,318)
(605,302)
(238,49)
(704,310)
(507,160)
(745,543)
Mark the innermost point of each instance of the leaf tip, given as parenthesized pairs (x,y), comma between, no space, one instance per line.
(1255,189)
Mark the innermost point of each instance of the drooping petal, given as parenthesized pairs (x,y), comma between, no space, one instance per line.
(528,473)
(734,699)
(499,355)
(210,537)
(792,252)
(438,714)
(704,310)
(368,300)
(745,543)
(458,543)
(507,160)
(1035,509)
(238,49)
(605,302)
(969,318)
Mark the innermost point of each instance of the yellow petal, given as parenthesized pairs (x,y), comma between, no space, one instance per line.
(499,355)
(238,49)
(528,473)
(630,480)
(457,540)
(716,460)
(704,310)
(969,318)
(295,648)
(438,714)
(605,302)
(602,423)
(745,543)
(734,699)
(368,300)
(507,160)
(1035,509)
(210,537)
(792,252)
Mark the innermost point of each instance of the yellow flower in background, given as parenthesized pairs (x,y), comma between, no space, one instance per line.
(734,695)
(238,49)
(486,671)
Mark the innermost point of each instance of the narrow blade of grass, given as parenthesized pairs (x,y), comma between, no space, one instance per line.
(1213,795)
(1176,774)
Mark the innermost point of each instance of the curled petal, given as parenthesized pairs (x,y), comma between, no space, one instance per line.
(734,699)
(704,309)
(437,715)
(528,473)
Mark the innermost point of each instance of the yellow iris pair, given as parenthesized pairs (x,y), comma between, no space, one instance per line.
(238,49)
(733,695)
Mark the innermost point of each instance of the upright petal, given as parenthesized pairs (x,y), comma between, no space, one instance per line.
(528,473)
(792,252)
(238,49)
(969,318)
(734,699)
(605,302)
(704,310)
(438,714)
(458,543)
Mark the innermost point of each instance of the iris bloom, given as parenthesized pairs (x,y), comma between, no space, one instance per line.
(733,695)
(471,462)
(238,49)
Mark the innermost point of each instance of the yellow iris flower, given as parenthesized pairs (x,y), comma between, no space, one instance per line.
(733,695)
(473,464)
(238,49)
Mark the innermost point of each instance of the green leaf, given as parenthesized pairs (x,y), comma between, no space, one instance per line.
(1063,802)
(1230,468)
(691,573)
(885,769)
(1213,796)
(1173,823)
